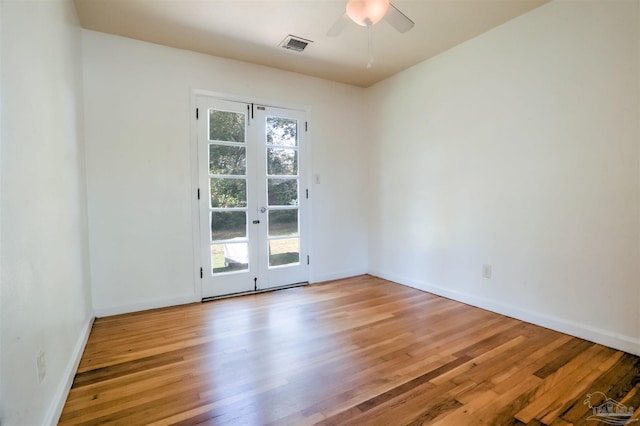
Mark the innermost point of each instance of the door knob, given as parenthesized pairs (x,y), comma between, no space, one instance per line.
(263,209)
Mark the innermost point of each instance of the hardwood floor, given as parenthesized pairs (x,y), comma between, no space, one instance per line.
(355,351)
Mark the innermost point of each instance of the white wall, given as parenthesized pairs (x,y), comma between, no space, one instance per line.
(137,111)
(46,301)
(519,149)
(1,143)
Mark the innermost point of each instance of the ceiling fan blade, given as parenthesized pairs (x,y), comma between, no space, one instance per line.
(398,20)
(339,26)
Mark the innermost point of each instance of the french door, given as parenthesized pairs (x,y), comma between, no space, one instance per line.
(253,196)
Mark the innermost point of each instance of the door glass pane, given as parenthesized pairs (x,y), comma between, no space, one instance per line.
(282,131)
(283,222)
(284,252)
(228,192)
(226,126)
(282,192)
(229,257)
(228,225)
(282,162)
(227,160)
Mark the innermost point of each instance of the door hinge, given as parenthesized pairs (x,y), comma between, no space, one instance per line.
(255,283)
(201,273)
(196,113)
(307,259)
(198,193)
(306,126)
(307,192)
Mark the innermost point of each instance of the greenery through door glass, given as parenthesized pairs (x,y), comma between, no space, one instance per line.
(282,162)
(282,131)
(228,193)
(228,189)
(227,160)
(226,126)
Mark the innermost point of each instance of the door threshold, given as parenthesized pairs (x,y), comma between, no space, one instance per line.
(245,293)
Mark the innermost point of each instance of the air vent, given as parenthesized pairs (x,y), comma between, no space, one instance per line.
(297,44)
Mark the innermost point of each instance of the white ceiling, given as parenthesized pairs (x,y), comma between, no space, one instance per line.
(251,31)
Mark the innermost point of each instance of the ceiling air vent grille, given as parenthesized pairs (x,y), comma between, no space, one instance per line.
(297,44)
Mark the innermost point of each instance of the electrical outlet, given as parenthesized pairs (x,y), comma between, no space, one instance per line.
(42,367)
(486,271)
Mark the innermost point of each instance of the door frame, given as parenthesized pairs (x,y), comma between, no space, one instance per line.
(196,226)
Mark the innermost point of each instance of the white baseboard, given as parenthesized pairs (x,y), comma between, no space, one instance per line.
(604,337)
(55,409)
(144,306)
(337,275)
(105,311)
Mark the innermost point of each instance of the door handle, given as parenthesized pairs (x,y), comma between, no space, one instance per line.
(255,222)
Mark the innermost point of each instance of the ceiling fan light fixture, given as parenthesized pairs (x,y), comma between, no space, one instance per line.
(367,12)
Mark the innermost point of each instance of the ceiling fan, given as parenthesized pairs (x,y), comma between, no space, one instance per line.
(368,13)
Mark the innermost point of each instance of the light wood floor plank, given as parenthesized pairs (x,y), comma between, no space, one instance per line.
(356,351)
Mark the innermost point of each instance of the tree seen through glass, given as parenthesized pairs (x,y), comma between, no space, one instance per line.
(282,131)
(226,126)
(228,161)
